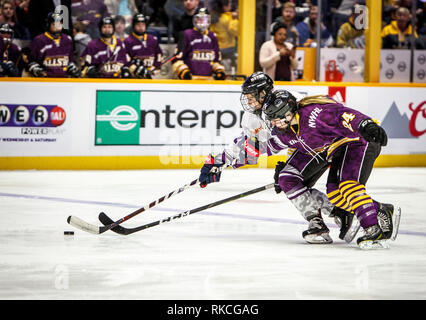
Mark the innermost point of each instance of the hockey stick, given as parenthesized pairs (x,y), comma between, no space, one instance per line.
(85,226)
(126,231)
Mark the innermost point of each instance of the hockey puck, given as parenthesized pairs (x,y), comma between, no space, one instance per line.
(68,233)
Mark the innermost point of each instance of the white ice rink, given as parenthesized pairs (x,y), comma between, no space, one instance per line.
(247,249)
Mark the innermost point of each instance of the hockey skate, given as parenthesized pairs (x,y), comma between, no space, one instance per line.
(388,220)
(373,238)
(348,223)
(318,232)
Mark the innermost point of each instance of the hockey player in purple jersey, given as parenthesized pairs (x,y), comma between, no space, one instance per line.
(197,52)
(143,49)
(11,53)
(319,129)
(253,142)
(106,57)
(52,52)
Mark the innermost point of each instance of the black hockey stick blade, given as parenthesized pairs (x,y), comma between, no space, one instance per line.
(104,219)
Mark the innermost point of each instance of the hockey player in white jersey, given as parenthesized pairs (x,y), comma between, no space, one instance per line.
(252,142)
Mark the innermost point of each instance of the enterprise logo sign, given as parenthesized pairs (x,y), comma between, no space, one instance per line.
(122,118)
(117,118)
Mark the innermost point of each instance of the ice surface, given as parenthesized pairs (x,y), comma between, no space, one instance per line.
(247,249)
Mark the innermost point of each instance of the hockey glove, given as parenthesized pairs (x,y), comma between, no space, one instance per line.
(92,72)
(220,75)
(209,172)
(251,149)
(372,132)
(8,69)
(125,72)
(142,72)
(73,70)
(278,168)
(36,70)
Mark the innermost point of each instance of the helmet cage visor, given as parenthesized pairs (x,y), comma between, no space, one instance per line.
(202,21)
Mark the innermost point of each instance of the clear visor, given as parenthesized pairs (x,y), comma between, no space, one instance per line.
(202,21)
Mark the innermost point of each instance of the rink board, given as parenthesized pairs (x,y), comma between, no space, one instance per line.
(103,124)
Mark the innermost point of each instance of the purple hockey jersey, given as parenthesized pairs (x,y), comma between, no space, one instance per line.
(109,59)
(145,48)
(11,52)
(199,51)
(321,127)
(53,54)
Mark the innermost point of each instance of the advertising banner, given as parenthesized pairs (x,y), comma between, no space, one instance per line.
(162,120)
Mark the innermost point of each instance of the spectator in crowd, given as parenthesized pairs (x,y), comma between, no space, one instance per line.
(106,56)
(81,40)
(90,12)
(143,49)
(225,26)
(397,34)
(197,53)
(351,35)
(52,53)
(339,14)
(38,11)
(185,21)
(278,57)
(10,53)
(8,12)
(288,13)
(125,8)
(308,28)
(120,28)
(21,7)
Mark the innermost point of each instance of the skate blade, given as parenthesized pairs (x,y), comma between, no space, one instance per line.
(374,245)
(353,230)
(396,220)
(318,238)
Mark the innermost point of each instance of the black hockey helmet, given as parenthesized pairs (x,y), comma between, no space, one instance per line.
(105,21)
(6,29)
(57,19)
(139,17)
(201,19)
(280,103)
(255,84)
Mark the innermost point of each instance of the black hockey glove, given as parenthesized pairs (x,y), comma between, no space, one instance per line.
(92,72)
(8,69)
(36,70)
(125,72)
(73,70)
(209,172)
(142,72)
(278,168)
(219,75)
(372,132)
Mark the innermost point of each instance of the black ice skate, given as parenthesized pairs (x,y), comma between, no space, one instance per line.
(348,223)
(373,238)
(388,221)
(317,232)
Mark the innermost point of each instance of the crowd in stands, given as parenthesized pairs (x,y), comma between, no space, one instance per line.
(121,38)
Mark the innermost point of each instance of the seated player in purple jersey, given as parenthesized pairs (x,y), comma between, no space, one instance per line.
(52,53)
(256,91)
(197,53)
(143,49)
(106,57)
(320,129)
(11,53)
